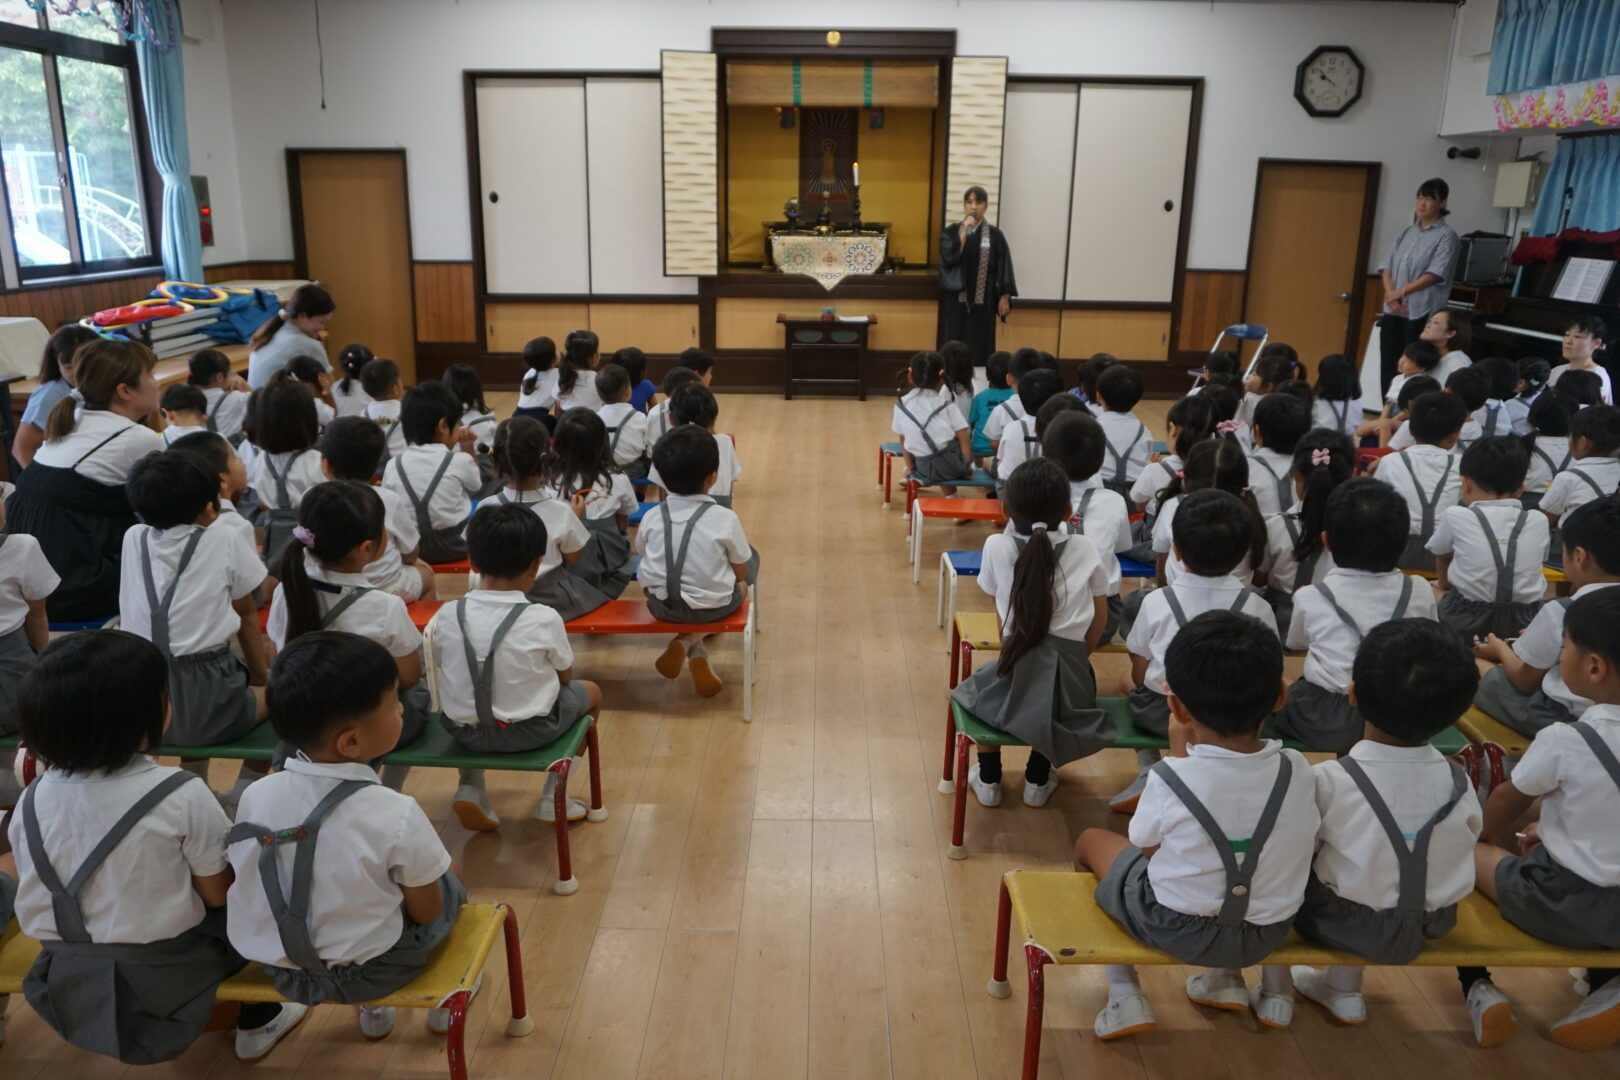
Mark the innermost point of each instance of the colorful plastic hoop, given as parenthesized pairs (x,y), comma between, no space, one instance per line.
(209,294)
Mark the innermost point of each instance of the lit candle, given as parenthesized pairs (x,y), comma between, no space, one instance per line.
(855,169)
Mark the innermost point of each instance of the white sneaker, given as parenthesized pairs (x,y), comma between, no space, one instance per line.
(1219,990)
(472,809)
(1345,1007)
(1040,794)
(252,1044)
(546,809)
(1595,1023)
(376,1021)
(1125,802)
(1272,1010)
(1127,1016)
(439,1019)
(987,794)
(1491,1012)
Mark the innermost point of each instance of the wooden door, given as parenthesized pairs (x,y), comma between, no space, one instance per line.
(1307,254)
(352,233)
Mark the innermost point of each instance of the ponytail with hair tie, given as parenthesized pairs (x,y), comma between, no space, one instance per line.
(1037,500)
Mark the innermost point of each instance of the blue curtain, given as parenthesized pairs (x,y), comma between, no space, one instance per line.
(1542,42)
(163,86)
(1590,165)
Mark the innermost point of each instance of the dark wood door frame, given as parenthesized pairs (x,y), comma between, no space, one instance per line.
(1372,172)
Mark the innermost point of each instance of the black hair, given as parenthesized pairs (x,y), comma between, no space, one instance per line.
(183,397)
(1275,366)
(505,539)
(1221,362)
(1226,669)
(1594,325)
(93,700)
(1367,525)
(1415,386)
(307,370)
(1036,387)
(378,377)
(1280,421)
(1549,415)
(1091,373)
(611,381)
(1594,526)
(581,455)
(1414,678)
(1055,406)
(1580,388)
(1037,501)
(1074,441)
(339,516)
(1282,349)
(1321,479)
(1050,361)
(426,404)
(676,378)
(1599,425)
(1225,398)
(958,359)
(169,489)
(540,354)
(60,348)
(1222,465)
(1435,188)
(1470,385)
(463,381)
(1533,373)
(1336,379)
(697,359)
(284,419)
(1298,389)
(1460,337)
(925,371)
(1423,354)
(694,403)
(353,360)
(1120,388)
(685,457)
(205,366)
(1593,624)
(308,300)
(209,446)
(1437,416)
(1194,417)
(1023,361)
(1214,531)
(522,445)
(634,362)
(578,348)
(995,370)
(324,678)
(1228,379)
(352,446)
(1496,465)
(976,194)
(1501,377)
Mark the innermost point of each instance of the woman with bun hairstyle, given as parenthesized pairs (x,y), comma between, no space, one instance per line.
(295,330)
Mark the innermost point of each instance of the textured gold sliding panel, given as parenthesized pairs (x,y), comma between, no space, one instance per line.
(978,114)
(827,83)
(691,171)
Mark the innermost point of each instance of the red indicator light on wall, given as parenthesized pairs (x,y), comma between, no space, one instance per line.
(205,211)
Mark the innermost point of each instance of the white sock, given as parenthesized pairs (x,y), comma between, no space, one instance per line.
(691,641)
(393,776)
(1276,980)
(1122,981)
(472,778)
(696,650)
(1345,978)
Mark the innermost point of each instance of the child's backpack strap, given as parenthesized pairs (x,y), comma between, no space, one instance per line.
(1413,861)
(1600,750)
(1504,566)
(158,607)
(483,675)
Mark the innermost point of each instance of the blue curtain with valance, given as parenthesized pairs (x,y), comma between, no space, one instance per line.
(1543,42)
(163,89)
(1591,166)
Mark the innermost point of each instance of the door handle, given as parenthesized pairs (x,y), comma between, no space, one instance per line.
(1343,296)
(494,196)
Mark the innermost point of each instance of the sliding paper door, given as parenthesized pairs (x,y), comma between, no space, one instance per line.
(1036,183)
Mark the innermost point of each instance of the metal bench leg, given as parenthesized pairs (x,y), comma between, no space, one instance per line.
(593,748)
(959,814)
(455,1043)
(748,667)
(1037,959)
(999,987)
(521,1023)
(566,884)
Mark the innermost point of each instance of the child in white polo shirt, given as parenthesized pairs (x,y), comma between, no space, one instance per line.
(1594,442)
(1526,691)
(935,439)
(658,418)
(1548,443)
(285,462)
(1119,388)
(1019,439)
(349,447)
(184,409)
(1074,442)
(1280,421)
(131,958)
(696,404)
(1490,549)
(1295,556)
(1220,847)
(216,451)
(695,558)
(1395,852)
(1425,475)
(1366,529)
(1023,362)
(1217,463)
(1564,884)
(520,452)
(501,666)
(379,380)
(225,393)
(437,472)
(1501,382)
(380,892)
(626,425)
(26,579)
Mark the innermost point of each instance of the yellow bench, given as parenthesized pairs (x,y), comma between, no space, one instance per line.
(1482,728)
(447,982)
(1062,924)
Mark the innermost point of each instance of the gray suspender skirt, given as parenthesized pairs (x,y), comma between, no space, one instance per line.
(560,588)
(437,545)
(278,521)
(941,464)
(139,1003)
(605,562)
(1500,615)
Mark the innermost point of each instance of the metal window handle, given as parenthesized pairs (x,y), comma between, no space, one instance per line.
(1343,296)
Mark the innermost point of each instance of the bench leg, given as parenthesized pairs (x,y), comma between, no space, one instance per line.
(455,1043)
(947,777)
(916,547)
(597,812)
(521,1023)
(945,572)
(566,884)
(748,666)
(959,814)
(999,987)
(1037,959)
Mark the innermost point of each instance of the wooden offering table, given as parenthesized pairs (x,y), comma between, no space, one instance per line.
(825,354)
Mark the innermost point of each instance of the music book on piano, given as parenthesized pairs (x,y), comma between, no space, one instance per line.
(1583,280)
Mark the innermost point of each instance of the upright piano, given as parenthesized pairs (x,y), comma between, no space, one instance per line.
(1532,323)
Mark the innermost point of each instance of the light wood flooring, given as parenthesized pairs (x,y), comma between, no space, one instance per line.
(772,900)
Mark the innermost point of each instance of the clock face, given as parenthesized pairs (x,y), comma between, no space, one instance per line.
(1329,81)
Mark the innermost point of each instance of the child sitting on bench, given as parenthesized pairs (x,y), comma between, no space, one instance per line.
(501,665)
(1526,691)
(1126,438)
(1425,475)
(658,418)
(626,426)
(1295,557)
(437,472)
(698,405)
(1563,886)
(350,447)
(580,468)
(220,456)
(1594,443)
(1490,549)
(934,436)
(1395,852)
(184,409)
(696,560)
(537,391)
(1217,463)
(380,381)
(996,391)
(1074,442)
(348,398)
(1019,441)
(1051,602)
(285,461)
(1179,883)
(357,917)
(1280,421)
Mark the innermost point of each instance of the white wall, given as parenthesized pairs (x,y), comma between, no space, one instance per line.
(210,127)
(1469,109)
(393,78)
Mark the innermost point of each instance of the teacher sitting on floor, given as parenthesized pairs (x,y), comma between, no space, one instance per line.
(293,331)
(976,278)
(1417,276)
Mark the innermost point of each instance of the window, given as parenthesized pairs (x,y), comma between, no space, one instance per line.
(73,145)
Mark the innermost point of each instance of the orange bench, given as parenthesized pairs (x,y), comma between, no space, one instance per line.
(420,611)
(634,617)
(458,566)
(956,510)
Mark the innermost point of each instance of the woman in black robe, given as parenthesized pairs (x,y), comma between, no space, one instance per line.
(975,278)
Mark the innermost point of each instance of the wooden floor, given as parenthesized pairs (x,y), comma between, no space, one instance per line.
(773,900)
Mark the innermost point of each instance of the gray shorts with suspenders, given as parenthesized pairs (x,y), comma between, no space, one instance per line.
(1555,904)
(491,735)
(1417,556)
(1150,710)
(1119,477)
(278,521)
(138,1003)
(1393,935)
(313,980)
(941,464)
(674,608)
(1283,485)
(1500,615)
(1528,713)
(1324,719)
(1224,940)
(438,545)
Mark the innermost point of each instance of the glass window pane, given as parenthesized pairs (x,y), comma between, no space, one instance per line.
(87,25)
(29,151)
(106,178)
(18,11)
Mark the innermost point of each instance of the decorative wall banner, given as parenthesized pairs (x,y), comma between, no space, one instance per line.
(1577,104)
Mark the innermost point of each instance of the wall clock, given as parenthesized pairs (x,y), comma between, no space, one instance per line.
(1329,81)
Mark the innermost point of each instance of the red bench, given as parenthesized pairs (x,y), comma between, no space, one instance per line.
(634,617)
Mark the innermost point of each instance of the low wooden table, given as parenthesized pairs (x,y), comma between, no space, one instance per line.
(824,355)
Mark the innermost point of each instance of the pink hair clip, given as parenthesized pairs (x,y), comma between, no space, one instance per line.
(1227,427)
(303,536)
(1321,457)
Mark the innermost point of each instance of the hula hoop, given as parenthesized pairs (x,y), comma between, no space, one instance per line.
(167,289)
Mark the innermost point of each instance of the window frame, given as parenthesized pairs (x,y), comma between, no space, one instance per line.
(53,45)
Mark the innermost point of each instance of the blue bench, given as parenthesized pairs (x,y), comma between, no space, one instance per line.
(82,624)
(641,512)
